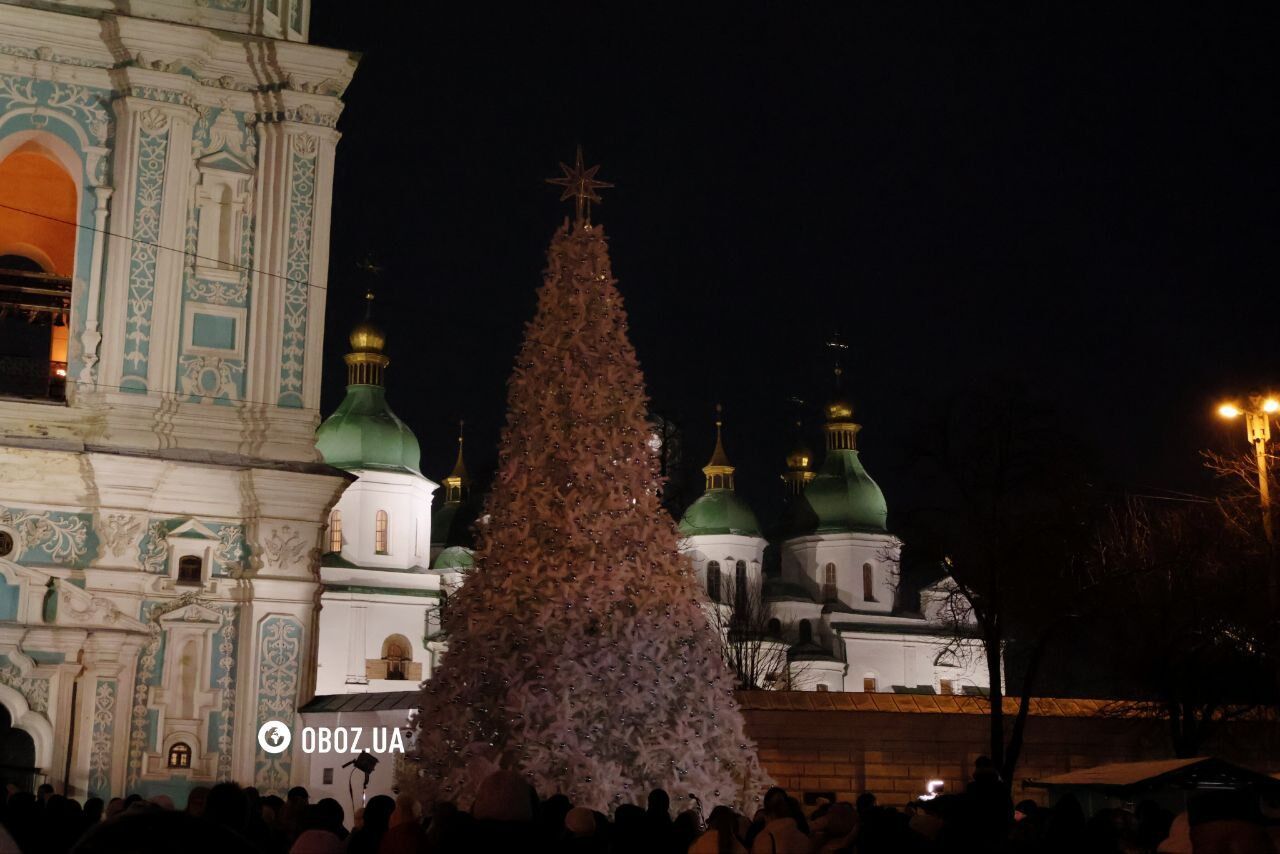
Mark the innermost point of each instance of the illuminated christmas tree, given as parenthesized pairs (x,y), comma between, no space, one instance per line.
(580,654)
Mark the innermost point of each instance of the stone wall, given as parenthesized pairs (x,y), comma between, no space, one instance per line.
(894,744)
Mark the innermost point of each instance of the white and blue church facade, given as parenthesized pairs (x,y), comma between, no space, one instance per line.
(165,190)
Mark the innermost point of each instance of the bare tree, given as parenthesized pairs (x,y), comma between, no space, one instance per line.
(1239,503)
(755,641)
(1177,584)
(1005,518)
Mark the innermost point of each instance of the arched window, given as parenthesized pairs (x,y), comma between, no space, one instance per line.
(396,652)
(868,583)
(380,525)
(740,585)
(335,531)
(713,580)
(38,216)
(806,632)
(829,590)
(190,570)
(180,755)
(774,628)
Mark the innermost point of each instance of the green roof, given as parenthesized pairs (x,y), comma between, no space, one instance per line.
(719,511)
(365,434)
(842,498)
(454,557)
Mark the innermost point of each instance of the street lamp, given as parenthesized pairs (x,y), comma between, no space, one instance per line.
(1257,414)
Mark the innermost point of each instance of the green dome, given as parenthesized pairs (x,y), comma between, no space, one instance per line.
(719,511)
(454,557)
(365,434)
(842,498)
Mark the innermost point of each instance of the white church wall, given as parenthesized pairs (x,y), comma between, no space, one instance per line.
(354,626)
(805,561)
(406,501)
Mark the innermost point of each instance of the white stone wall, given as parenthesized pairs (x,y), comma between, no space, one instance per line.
(406,499)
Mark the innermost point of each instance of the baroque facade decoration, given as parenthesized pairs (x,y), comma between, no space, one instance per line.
(162,502)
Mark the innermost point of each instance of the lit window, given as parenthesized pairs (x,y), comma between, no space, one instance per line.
(335,531)
(380,533)
(869,684)
(868,583)
(829,582)
(190,570)
(713,580)
(180,755)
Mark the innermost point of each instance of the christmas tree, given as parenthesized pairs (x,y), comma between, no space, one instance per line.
(580,654)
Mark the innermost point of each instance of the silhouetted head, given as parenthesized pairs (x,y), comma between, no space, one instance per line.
(659,803)
(227,806)
(377,813)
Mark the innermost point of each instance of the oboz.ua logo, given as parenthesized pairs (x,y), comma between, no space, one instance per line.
(274,737)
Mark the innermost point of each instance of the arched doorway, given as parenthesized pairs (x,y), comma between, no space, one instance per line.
(37,257)
(17,755)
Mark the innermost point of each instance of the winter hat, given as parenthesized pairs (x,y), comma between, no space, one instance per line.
(317,842)
(503,796)
(580,821)
(1179,839)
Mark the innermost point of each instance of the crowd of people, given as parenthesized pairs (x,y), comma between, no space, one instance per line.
(508,816)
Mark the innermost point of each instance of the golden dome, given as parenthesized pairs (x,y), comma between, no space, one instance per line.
(800,458)
(367,336)
(839,410)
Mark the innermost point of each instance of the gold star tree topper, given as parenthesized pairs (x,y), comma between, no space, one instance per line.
(580,183)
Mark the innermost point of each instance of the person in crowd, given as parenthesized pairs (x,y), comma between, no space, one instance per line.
(580,836)
(721,835)
(771,798)
(781,834)
(196,800)
(990,808)
(840,824)
(228,807)
(406,835)
(629,830)
(657,820)
(377,820)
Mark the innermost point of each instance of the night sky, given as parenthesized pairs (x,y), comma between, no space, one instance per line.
(1080,199)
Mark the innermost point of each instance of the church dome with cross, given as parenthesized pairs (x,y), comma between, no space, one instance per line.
(363,432)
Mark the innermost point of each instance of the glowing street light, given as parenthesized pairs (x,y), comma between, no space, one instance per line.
(1257,414)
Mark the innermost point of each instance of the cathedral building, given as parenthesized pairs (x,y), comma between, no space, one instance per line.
(381,591)
(834,601)
(165,189)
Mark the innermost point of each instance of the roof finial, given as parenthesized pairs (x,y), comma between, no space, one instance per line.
(457,481)
(719,470)
(580,184)
(839,348)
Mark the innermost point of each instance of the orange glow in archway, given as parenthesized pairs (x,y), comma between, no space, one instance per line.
(32,181)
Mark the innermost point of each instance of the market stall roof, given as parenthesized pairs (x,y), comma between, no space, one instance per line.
(1127,779)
